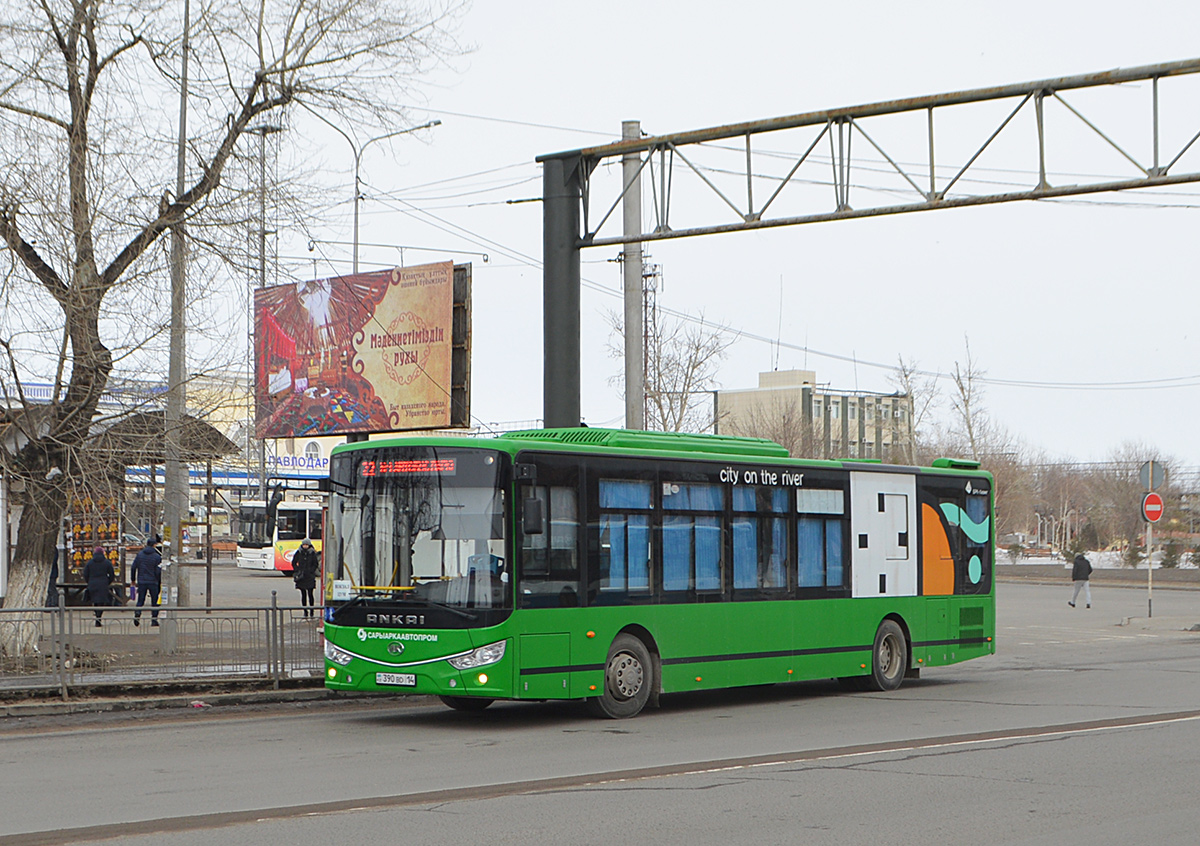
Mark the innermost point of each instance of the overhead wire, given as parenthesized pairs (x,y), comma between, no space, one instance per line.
(531,261)
(389,199)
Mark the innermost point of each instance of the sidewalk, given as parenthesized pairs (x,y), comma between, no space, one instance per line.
(196,700)
(1060,574)
(163,698)
(1170,623)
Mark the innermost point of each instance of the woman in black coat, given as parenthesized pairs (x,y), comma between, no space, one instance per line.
(305,564)
(99,575)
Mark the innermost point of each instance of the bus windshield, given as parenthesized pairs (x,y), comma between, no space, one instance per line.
(253,521)
(420,524)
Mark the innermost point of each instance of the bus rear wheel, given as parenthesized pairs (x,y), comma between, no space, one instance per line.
(889,657)
(628,679)
(466,703)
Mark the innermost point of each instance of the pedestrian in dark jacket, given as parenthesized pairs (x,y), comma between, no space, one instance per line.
(1081,572)
(305,564)
(99,575)
(147,576)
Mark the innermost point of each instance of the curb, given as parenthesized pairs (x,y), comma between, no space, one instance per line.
(195,699)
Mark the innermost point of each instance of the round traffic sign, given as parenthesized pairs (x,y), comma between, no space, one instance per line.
(1152,507)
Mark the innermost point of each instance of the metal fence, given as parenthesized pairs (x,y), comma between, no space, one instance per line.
(64,650)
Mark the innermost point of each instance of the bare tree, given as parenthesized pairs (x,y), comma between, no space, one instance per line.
(87,176)
(682,360)
(1116,491)
(967,401)
(780,421)
(922,390)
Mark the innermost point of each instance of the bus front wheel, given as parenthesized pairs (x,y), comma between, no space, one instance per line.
(466,703)
(889,657)
(628,678)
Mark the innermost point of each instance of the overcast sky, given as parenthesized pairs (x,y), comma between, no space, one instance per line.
(1050,292)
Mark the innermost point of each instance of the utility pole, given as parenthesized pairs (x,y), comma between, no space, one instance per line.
(635,349)
(175,494)
(262,131)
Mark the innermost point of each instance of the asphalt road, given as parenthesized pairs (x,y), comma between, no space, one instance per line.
(1084,728)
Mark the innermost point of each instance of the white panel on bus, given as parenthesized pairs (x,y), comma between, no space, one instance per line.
(883,534)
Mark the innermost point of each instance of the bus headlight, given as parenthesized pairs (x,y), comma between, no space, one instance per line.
(489,654)
(338,656)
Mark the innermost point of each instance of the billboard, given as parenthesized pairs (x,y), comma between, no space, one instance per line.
(372,352)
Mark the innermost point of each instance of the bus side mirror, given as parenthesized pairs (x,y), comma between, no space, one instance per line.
(532,518)
(525,472)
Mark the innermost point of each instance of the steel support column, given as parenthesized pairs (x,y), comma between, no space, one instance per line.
(561,202)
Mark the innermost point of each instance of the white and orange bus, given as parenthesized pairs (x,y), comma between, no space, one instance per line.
(271,533)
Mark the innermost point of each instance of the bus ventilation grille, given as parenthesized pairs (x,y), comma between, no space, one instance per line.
(590,437)
(970,623)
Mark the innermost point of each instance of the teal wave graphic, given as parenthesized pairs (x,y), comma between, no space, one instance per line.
(977,532)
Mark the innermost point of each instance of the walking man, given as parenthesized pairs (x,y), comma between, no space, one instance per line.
(147,577)
(1080,574)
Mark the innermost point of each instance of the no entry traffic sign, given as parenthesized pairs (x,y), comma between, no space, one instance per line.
(1152,507)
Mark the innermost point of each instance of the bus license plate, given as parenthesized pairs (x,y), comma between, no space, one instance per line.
(402,679)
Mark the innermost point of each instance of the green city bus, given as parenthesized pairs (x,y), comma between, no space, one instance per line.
(613,566)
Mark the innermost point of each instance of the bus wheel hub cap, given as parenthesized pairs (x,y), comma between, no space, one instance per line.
(625,672)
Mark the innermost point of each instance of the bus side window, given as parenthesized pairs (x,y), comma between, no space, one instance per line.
(820,539)
(550,560)
(290,524)
(759,539)
(692,545)
(976,535)
(624,539)
(314,525)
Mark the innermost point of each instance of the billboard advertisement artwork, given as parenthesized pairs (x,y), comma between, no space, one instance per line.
(372,352)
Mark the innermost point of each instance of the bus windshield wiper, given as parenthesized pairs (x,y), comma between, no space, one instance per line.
(466,615)
(358,600)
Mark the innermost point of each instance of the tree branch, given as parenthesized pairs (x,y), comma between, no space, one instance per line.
(29,256)
(175,212)
(34,113)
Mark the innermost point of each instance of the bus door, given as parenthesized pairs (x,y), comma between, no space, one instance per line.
(883,549)
(548,579)
(291,526)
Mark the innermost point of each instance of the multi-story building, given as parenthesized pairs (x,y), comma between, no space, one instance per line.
(816,421)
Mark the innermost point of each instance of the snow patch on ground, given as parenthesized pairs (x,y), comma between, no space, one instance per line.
(1101,560)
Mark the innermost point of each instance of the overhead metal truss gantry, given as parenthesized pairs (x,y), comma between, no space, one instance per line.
(738,187)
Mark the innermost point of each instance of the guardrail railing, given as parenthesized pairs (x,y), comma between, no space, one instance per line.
(63,649)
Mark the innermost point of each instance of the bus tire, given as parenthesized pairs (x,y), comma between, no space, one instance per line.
(889,657)
(466,703)
(628,679)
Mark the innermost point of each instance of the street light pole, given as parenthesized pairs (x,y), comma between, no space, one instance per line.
(358,160)
(358,151)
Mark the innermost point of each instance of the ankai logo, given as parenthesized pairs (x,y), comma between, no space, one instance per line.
(395,647)
(395,619)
